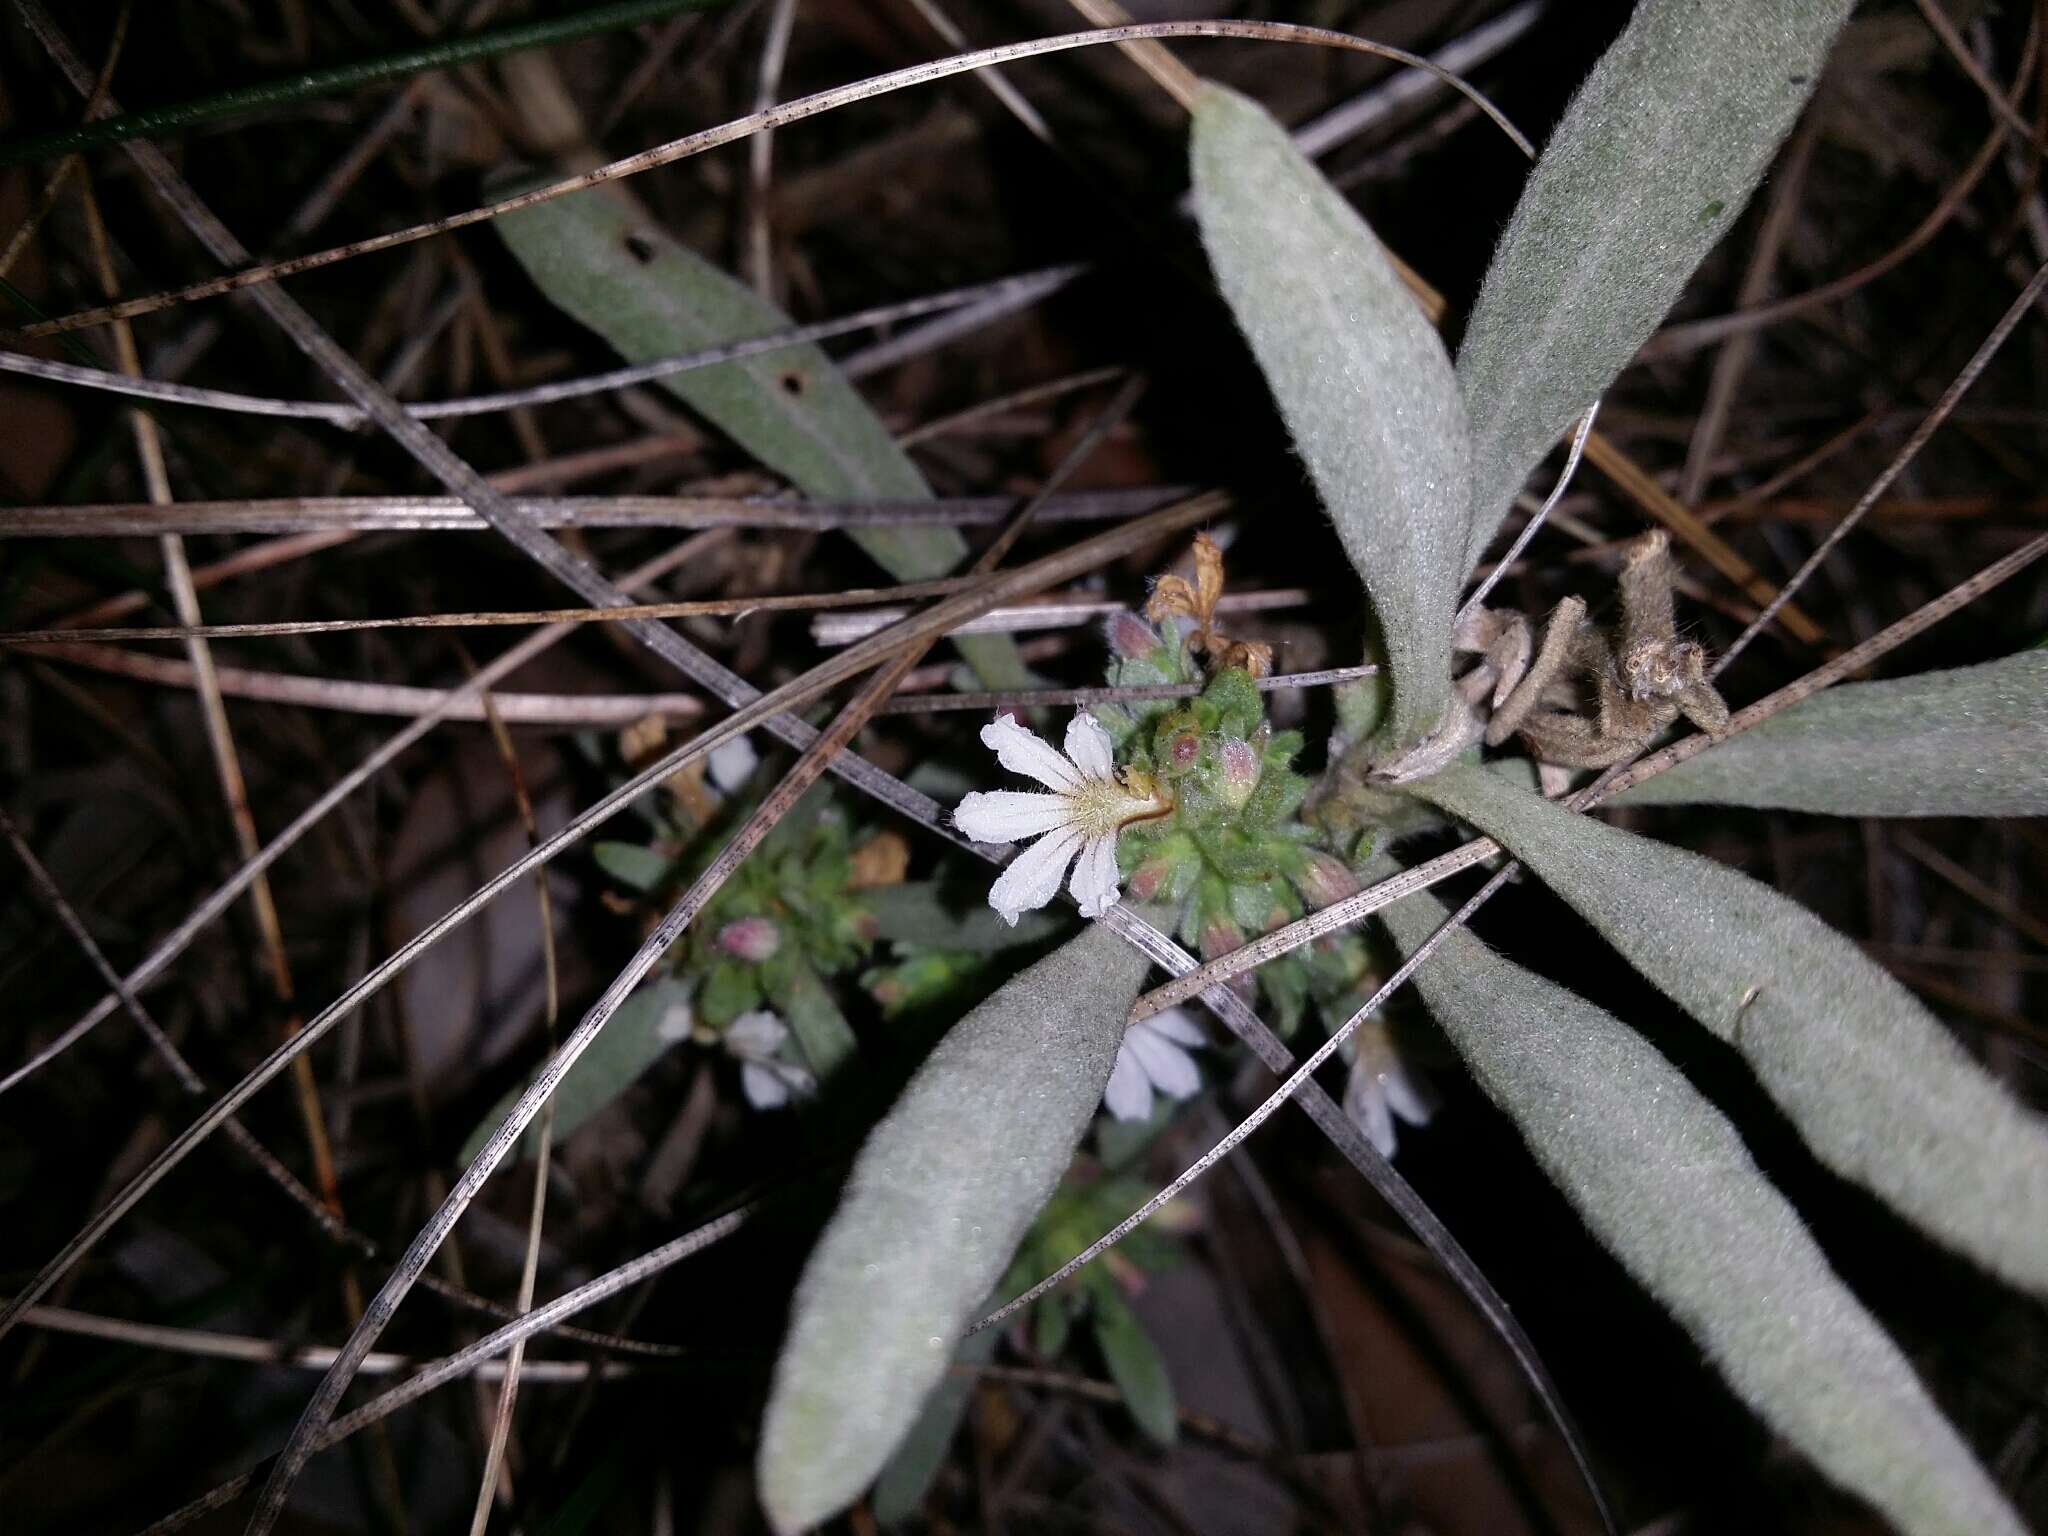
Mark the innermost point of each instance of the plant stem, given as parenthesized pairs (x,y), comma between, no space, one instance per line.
(343,77)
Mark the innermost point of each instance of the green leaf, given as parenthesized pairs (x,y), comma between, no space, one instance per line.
(1360,376)
(945,1187)
(1666,1184)
(821,1030)
(1969,742)
(920,912)
(1135,1366)
(630,864)
(1882,1093)
(1648,169)
(626,1047)
(602,260)
(908,1477)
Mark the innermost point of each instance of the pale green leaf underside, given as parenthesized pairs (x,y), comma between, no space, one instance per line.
(624,1049)
(1879,1089)
(936,1204)
(1967,742)
(1648,169)
(604,263)
(1359,375)
(1667,1185)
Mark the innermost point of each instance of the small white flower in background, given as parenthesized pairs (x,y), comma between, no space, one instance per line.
(769,1078)
(677,1022)
(730,764)
(1089,805)
(1381,1087)
(1153,1056)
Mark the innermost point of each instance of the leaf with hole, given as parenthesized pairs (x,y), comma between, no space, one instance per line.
(943,1190)
(1881,1092)
(603,261)
(1667,1185)
(1652,162)
(1360,377)
(643,1030)
(1972,741)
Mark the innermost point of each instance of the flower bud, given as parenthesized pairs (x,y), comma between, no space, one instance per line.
(1132,638)
(1323,879)
(1237,772)
(752,939)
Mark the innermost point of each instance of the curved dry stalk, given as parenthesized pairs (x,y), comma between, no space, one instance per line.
(1929,425)
(775,117)
(1023,288)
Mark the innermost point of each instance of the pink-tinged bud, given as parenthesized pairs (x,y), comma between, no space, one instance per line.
(1324,880)
(1219,937)
(1131,637)
(1150,878)
(1239,772)
(1187,746)
(752,939)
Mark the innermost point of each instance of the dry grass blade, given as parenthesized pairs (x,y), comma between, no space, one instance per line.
(741,128)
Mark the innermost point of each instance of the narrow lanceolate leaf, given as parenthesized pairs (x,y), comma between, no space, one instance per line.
(1136,1366)
(1970,742)
(1881,1092)
(1666,1184)
(821,1030)
(1651,164)
(645,1027)
(601,260)
(936,1204)
(1360,376)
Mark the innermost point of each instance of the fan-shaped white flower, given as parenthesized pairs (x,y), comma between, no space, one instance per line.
(766,1075)
(1381,1087)
(1153,1056)
(1089,805)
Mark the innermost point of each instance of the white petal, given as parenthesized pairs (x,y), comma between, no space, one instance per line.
(1129,1094)
(1177,1024)
(1010,815)
(1094,884)
(763,1088)
(1032,878)
(676,1022)
(1172,1070)
(1367,1107)
(1026,752)
(731,764)
(1089,746)
(759,1033)
(1407,1095)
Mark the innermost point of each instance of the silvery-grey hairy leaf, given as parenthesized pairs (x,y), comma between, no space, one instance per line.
(1666,1184)
(640,1033)
(1881,1092)
(921,912)
(1648,169)
(937,1201)
(909,1474)
(606,264)
(1360,377)
(1967,742)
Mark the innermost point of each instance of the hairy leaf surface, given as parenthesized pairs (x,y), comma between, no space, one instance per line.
(1668,1187)
(936,1203)
(1881,1092)
(1968,742)
(1646,172)
(1360,376)
(603,262)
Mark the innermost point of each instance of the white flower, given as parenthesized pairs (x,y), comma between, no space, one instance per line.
(766,1076)
(1089,805)
(1153,1054)
(1381,1087)
(731,763)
